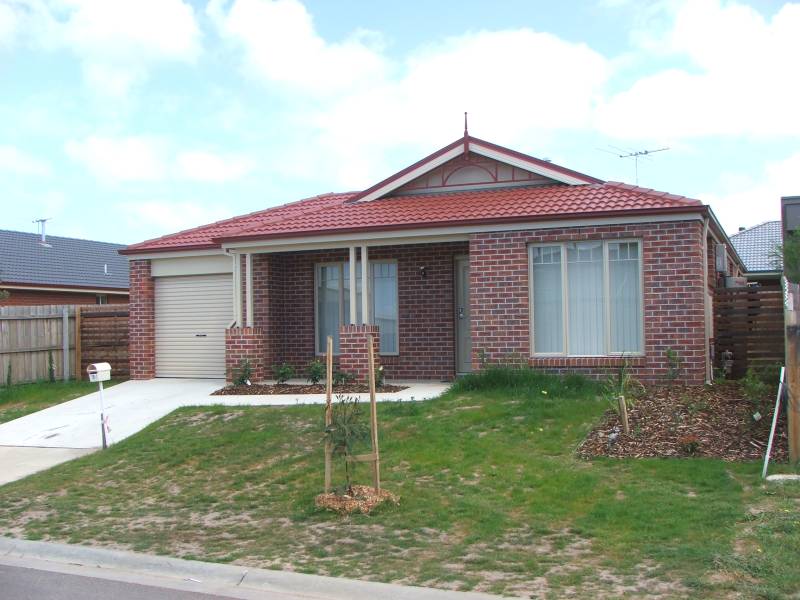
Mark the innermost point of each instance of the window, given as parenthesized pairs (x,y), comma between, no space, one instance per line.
(587,298)
(333,302)
(101,299)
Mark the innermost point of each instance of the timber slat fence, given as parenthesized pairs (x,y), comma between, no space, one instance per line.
(749,323)
(30,334)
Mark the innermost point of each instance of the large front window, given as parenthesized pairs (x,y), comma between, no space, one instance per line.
(333,302)
(587,298)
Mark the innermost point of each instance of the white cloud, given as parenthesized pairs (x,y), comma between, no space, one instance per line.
(740,82)
(135,158)
(281,45)
(210,167)
(745,200)
(160,217)
(14,160)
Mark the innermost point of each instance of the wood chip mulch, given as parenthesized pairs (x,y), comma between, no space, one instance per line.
(711,421)
(258,389)
(363,499)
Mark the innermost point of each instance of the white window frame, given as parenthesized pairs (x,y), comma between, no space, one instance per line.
(101,299)
(345,318)
(565,297)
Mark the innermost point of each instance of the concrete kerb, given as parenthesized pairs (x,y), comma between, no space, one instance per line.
(310,586)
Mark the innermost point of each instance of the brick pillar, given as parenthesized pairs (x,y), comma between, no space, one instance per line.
(353,349)
(245,343)
(142,324)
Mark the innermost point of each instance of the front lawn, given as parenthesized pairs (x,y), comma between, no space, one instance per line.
(24,398)
(492,498)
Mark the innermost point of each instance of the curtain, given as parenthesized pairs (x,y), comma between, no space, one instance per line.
(384,304)
(548,320)
(625,294)
(586,329)
(328,280)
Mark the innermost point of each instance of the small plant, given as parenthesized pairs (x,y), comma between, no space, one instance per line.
(753,386)
(379,376)
(315,372)
(243,374)
(622,383)
(8,376)
(347,429)
(51,367)
(342,378)
(689,444)
(283,373)
(673,366)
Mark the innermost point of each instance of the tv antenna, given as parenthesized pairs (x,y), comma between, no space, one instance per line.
(41,225)
(635,155)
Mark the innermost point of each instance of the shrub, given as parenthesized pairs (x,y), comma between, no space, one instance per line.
(347,429)
(283,372)
(673,366)
(689,444)
(8,375)
(379,376)
(51,367)
(622,383)
(315,372)
(753,386)
(528,381)
(342,378)
(242,375)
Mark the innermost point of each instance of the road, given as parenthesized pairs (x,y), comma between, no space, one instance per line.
(20,583)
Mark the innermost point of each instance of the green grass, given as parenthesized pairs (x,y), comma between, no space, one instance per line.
(24,398)
(492,498)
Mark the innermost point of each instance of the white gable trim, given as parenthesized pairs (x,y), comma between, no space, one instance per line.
(525,164)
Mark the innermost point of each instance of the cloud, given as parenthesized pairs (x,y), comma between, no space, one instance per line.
(14,160)
(210,167)
(281,45)
(117,41)
(135,158)
(745,200)
(151,158)
(738,81)
(159,217)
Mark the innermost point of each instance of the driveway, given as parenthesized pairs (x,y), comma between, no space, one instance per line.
(68,430)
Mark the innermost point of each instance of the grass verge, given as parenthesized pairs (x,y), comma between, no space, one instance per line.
(24,398)
(492,498)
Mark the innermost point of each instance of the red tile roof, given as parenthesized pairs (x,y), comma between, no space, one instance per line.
(332,213)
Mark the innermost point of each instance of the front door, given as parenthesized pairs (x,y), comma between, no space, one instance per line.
(463,333)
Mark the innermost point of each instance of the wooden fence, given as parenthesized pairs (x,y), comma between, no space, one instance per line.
(31,335)
(749,323)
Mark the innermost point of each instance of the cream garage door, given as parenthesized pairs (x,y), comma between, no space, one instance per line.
(192,313)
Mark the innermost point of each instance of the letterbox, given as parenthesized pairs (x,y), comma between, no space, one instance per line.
(99,371)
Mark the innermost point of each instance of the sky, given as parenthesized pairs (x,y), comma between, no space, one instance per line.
(125,120)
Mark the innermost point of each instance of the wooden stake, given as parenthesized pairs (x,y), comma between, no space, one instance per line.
(78,369)
(623,413)
(792,325)
(373,405)
(328,412)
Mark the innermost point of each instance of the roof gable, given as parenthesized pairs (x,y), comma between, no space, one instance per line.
(473,149)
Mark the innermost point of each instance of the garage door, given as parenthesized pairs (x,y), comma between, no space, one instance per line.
(192,313)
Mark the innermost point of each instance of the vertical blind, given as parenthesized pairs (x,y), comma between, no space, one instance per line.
(587,298)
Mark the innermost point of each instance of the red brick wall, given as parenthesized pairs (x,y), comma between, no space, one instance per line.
(38,297)
(353,356)
(673,297)
(142,336)
(245,344)
(283,287)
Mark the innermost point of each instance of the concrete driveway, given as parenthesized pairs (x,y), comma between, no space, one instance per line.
(64,431)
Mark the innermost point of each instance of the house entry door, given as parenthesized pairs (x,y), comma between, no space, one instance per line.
(463,330)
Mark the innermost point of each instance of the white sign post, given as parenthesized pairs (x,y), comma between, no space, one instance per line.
(100,372)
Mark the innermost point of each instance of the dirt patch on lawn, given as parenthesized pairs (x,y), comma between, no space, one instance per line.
(711,421)
(295,388)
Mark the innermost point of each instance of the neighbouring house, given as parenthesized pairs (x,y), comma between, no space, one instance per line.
(758,248)
(60,270)
(476,254)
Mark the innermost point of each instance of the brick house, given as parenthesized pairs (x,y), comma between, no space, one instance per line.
(36,270)
(476,254)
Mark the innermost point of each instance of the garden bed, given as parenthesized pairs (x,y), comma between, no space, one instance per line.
(297,388)
(711,421)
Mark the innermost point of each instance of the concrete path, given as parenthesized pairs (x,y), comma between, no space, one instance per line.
(227,581)
(131,406)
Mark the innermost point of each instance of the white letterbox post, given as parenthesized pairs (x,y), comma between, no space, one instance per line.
(100,372)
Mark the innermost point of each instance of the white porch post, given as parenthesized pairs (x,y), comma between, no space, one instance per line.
(237,290)
(353,295)
(365,316)
(248,274)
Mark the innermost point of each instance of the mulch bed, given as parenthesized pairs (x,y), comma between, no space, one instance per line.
(712,421)
(363,499)
(294,388)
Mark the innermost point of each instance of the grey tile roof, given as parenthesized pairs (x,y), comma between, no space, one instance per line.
(756,246)
(67,262)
